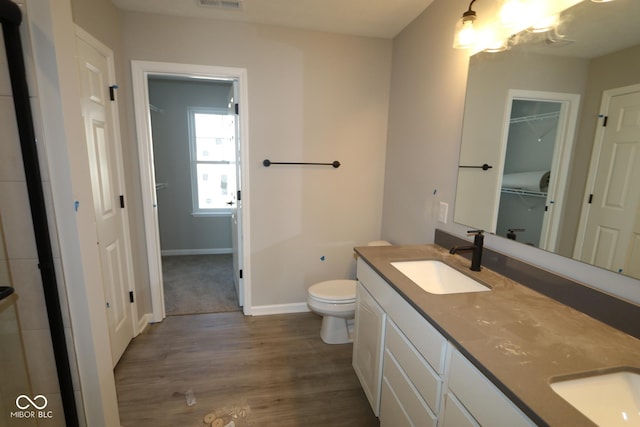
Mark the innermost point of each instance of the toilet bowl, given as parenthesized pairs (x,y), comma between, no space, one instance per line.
(335,301)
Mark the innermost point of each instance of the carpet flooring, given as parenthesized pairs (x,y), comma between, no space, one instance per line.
(195,284)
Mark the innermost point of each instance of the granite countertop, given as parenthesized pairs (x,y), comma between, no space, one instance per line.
(519,338)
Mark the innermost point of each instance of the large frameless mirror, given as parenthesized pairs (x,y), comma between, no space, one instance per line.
(559,180)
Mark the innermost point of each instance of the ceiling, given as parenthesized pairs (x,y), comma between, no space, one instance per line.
(370,18)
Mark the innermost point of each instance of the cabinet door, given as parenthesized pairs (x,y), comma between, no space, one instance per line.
(368,345)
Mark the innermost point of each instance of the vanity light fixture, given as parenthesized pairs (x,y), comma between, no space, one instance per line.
(513,13)
(465,36)
(601,1)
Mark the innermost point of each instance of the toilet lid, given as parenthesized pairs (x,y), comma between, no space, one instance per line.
(334,290)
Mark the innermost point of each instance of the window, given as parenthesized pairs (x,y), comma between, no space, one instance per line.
(213,160)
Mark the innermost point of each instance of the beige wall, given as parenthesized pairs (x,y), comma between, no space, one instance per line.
(427,98)
(313,97)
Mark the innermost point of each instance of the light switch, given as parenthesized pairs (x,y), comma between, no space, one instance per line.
(442,213)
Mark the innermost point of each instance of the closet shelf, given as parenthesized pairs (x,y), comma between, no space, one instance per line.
(533,117)
(521,192)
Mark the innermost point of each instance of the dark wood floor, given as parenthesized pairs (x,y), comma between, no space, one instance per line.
(256,371)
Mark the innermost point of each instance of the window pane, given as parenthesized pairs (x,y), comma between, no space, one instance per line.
(215,137)
(216,185)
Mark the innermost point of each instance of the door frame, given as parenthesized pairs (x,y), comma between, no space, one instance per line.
(565,138)
(141,70)
(607,95)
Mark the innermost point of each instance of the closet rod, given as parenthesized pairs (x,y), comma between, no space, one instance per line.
(267,163)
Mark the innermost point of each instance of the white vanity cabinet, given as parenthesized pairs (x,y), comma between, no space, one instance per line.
(409,371)
(411,350)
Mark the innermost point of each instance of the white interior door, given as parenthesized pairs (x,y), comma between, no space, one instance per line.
(236,216)
(95,64)
(609,235)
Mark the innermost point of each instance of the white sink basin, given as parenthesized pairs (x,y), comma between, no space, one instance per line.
(608,400)
(437,277)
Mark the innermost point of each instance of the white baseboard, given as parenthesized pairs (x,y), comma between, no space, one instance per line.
(213,251)
(144,322)
(263,310)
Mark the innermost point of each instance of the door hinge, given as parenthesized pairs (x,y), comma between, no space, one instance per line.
(546,208)
(590,198)
(239,196)
(237,107)
(130,296)
(112,92)
(605,121)
(241,273)
(122,201)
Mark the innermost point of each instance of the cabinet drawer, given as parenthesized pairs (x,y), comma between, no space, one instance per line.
(488,405)
(422,376)
(408,397)
(375,284)
(455,415)
(391,412)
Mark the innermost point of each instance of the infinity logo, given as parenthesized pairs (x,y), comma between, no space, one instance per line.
(31,402)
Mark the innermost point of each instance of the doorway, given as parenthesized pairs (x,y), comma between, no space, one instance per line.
(537,144)
(609,229)
(194,134)
(194,234)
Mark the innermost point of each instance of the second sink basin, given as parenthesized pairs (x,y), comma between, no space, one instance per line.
(611,399)
(436,277)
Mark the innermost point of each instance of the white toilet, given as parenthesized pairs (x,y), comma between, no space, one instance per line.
(335,300)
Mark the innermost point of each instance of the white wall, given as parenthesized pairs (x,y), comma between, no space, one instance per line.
(427,101)
(313,97)
(179,229)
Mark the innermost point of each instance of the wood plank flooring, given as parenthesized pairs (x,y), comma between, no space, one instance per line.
(255,371)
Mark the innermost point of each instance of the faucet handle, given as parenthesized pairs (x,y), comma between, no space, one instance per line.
(475,232)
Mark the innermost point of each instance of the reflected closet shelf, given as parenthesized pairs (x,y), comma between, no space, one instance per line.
(521,192)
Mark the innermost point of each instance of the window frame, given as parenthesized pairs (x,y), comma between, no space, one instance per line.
(196,211)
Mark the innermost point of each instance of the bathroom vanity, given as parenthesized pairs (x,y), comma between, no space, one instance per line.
(472,358)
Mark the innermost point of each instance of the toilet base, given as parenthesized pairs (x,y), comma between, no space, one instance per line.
(336,330)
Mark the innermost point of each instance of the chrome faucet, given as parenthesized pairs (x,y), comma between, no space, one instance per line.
(476,249)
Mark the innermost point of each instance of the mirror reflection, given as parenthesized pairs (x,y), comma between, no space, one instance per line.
(557,116)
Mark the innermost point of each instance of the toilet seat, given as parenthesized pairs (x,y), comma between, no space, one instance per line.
(334,291)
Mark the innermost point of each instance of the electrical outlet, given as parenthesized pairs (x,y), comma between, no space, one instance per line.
(442,213)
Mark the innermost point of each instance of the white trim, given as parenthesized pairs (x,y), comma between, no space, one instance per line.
(211,251)
(144,321)
(217,213)
(265,310)
(140,70)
